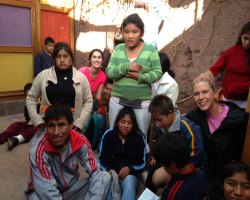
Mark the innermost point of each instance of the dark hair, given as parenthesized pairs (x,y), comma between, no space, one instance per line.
(165,64)
(27,87)
(133,19)
(106,57)
(91,53)
(245,29)
(235,167)
(108,81)
(62,45)
(57,111)
(48,40)
(127,111)
(214,190)
(161,104)
(171,148)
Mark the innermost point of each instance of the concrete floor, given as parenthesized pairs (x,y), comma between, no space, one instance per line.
(14,167)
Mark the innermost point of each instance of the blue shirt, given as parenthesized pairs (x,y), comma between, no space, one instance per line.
(42,61)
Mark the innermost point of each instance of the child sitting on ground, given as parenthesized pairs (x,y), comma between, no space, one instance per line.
(169,119)
(123,155)
(19,132)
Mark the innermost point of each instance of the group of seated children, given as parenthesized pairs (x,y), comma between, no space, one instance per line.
(54,157)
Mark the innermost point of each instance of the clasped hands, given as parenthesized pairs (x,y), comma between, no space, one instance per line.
(134,70)
(123,172)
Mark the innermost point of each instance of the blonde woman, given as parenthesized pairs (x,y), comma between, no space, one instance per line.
(223,125)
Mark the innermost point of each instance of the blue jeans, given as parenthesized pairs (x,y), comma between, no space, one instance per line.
(127,188)
(102,123)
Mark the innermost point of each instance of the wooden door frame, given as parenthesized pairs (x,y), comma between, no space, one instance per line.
(36,8)
(44,7)
(18,49)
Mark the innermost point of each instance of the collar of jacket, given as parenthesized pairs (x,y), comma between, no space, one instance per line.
(76,142)
(51,76)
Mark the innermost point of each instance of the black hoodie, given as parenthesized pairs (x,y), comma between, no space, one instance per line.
(226,143)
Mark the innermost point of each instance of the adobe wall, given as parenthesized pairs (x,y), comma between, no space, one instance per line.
(201,45)
(194,34)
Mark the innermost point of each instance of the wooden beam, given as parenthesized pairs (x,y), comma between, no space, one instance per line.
(248,102)
(11,95)
(55,8)
(15,49)
(246,150)
(37,28)
(72,32)
(16,3)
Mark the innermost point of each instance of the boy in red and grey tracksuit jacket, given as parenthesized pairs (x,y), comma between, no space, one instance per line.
(55,175)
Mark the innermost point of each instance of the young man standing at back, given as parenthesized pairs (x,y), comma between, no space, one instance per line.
(43,59)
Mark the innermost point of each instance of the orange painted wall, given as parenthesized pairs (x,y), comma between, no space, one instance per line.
(55,25)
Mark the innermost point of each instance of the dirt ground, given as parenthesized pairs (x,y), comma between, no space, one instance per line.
(14,168)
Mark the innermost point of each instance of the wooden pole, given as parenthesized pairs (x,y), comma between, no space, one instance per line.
(246,149)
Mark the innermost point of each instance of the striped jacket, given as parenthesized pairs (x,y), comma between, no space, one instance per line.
(127,88)
(188,186)
(51,173)
(191,132)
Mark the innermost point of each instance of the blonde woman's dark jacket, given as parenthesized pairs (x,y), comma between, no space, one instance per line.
(226,143)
